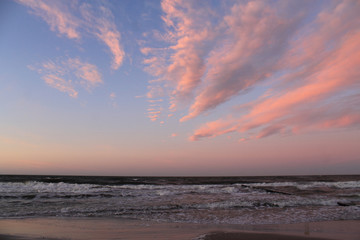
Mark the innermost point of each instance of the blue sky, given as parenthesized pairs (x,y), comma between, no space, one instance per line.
(179,87)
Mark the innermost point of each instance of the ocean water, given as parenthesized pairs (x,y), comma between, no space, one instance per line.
(228,200)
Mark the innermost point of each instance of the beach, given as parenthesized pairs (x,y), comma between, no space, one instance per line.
(112,228)
(179,208)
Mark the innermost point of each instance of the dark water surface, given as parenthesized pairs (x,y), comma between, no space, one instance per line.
(237,200)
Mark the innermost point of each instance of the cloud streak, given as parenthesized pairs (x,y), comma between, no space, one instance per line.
(314,105)
(56,14)
(60,84)
(256,36)
(69,74)
(181,64)
(73,20)
(101,25)
(306,59)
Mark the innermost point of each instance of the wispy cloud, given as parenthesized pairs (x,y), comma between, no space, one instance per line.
(154,111)
(215,57)
(57,15)
(66,75)
(87,74)
(322,93)
(101,24)
(255,38)
(60,84)
(73,19)
(307,59)
(181,65)
(213,129)
(112,95)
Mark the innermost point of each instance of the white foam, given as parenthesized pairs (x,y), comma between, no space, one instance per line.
(303,186)
(41,187)
(201,237)
(274,184)
(340,185)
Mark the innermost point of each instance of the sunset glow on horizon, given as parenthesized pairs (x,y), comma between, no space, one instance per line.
(180,87)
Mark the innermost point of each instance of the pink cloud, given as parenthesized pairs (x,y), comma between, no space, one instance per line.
(343,121)
(101,24)
(154,100)
(87,73)
(256,36)
(213,129)
(112,95)
(153,117)
(57,15)
(66,75)
(154,112)
(215,57)
(112,40)
(307,107)
(182,63)
(61,84)
(75,19)
(320,71)
(155,91)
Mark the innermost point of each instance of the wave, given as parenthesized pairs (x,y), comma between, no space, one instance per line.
(308,185)
(242,201)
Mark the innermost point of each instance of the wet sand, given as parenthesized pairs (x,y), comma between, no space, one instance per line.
(211,236)
(110,228)
(256,236)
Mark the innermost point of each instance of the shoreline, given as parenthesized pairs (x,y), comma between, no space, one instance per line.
(255,236)
(116,228)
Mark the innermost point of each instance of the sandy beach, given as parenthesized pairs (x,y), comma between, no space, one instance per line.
(110,228)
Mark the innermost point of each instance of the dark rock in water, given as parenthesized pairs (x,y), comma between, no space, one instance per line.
(265,204)
(29,197)
(346,204)
(271,190)
(267,189)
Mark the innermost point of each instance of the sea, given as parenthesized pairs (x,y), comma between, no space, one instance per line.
(208,200)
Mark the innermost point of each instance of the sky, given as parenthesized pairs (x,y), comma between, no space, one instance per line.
(179,87)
